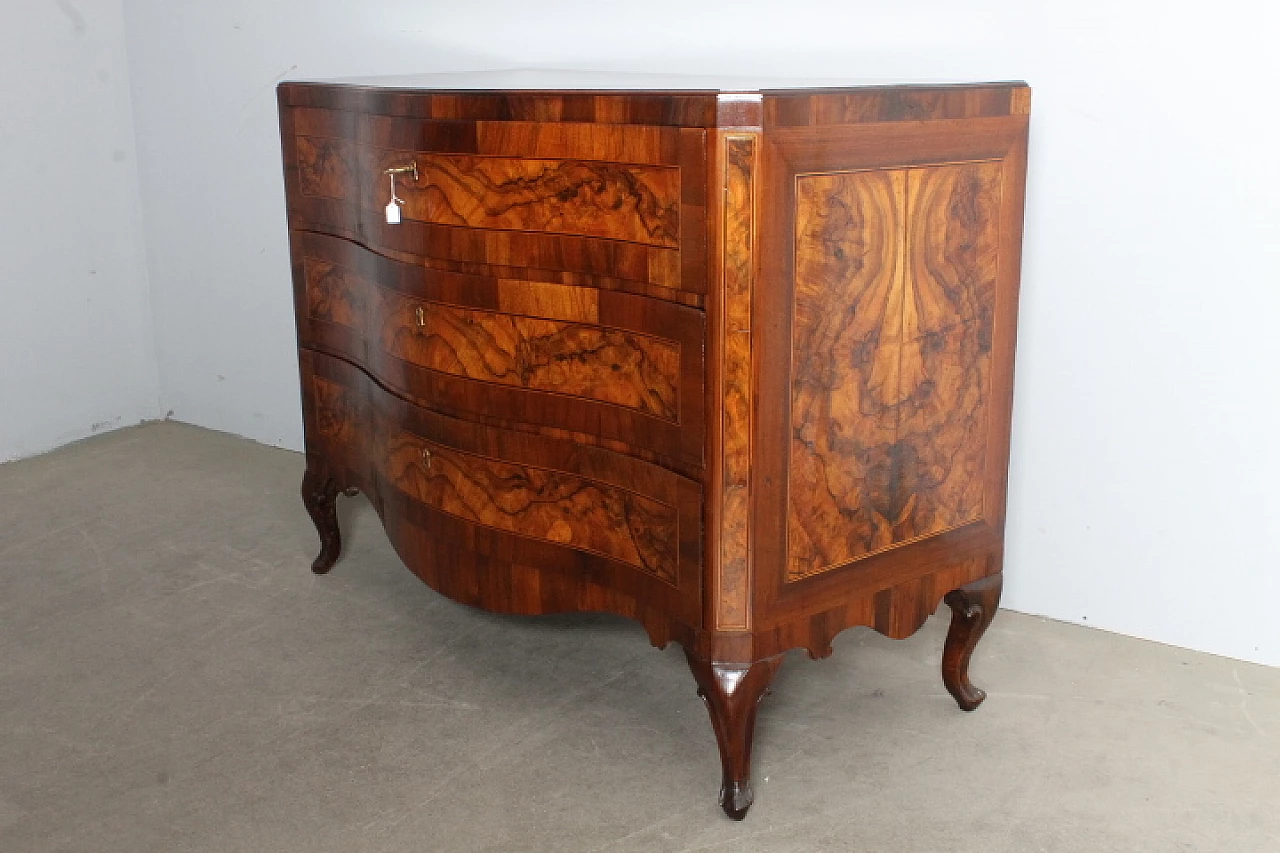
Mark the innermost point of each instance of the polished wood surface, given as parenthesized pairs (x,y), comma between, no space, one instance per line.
(484,349)
(895,281)
(635,203)
(735,365)
(732,693)
(522,349)
(633,220)
(735,402)
(543,511)
(972,608)
(537,502)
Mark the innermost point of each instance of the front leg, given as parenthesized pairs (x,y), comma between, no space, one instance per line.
(731,692)
(972,608)
(320,495)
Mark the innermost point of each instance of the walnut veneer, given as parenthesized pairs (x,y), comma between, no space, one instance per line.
(735,364)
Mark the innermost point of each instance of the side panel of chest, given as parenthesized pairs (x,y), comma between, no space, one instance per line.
(889,344)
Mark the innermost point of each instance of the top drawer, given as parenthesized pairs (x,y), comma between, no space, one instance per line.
(605,205)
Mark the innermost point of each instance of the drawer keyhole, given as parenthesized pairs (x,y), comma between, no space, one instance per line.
(426,456)
(422,317)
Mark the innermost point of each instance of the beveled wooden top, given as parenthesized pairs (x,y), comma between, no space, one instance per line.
(557,80)
(670,100)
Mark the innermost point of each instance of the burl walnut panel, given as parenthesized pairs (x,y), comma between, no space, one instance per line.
(737,364)
(895,281)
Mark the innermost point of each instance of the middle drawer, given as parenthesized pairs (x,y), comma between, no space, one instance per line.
(620,368)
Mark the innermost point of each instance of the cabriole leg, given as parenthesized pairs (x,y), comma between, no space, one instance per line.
(731,692)
(320,495)
(972,608)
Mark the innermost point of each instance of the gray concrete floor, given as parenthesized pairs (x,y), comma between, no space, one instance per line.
(173,678)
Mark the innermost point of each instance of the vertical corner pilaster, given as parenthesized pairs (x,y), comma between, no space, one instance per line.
(736,158)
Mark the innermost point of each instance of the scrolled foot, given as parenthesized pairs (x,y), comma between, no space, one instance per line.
(320,495)
(731,692)
(972,608)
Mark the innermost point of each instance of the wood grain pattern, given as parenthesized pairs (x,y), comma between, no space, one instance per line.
(907,103)
(655,324)
(894,602)
(606,110)
(847,339)
(739,224)
(569,258)
(953,236)
(326,167)
(642,220)
(616,201)
(338,418)
(540,503)
(895,276)
(948,319)
(546,299)
(652,146)
(592,362)
(659,109)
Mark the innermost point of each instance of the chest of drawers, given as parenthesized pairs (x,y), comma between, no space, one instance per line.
(736,364)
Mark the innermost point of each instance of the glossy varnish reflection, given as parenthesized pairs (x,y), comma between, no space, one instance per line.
(736,366)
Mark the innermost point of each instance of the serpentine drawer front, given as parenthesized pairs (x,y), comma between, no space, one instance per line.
(733,362)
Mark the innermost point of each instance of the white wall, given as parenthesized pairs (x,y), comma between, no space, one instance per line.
(76,354)
(1143,493)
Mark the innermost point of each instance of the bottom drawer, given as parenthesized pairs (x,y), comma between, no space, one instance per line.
(545,504)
